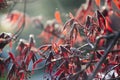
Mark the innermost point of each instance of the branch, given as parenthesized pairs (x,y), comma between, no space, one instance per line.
(104,56)
(110,70)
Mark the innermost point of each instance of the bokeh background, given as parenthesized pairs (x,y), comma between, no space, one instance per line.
(44,9)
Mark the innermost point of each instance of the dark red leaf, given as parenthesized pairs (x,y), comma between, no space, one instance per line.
(50,67)
(13,58)
(90,69)
(38,61)
(88,22)
(22,76)
(74,31)
(31,40)
(50,57)
(64,52)
(21,45)
(62,77)
(25,52)
(45,48)
(11,72)
(98,55)
(108,2)
(2,67)
(34,58)
(101,19)
(69,22)
(64,66)
(58,72)
(29,58)
(63,49)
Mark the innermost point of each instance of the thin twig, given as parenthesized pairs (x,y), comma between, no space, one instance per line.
(24,19)
(11,8)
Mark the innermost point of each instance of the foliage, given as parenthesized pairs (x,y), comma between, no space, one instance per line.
(97,59)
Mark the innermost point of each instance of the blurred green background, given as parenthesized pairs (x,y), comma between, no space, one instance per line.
(46,9)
